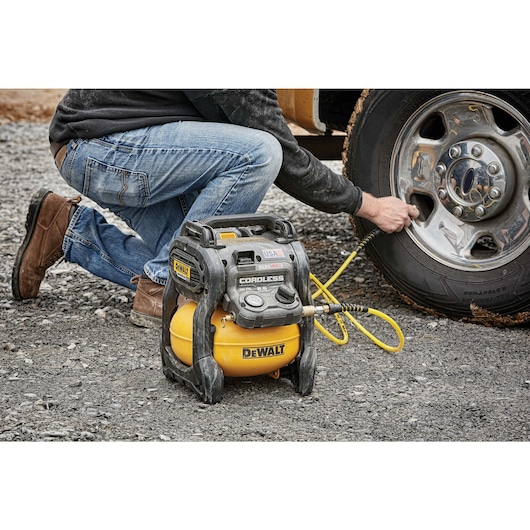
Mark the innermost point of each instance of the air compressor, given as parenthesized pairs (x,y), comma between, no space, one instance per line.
(247,281)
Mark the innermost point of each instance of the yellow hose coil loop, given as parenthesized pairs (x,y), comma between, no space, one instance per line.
(322,289)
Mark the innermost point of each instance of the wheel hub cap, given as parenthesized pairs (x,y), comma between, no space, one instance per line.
(472,181)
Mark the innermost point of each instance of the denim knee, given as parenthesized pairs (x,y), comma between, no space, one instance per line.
(271,154)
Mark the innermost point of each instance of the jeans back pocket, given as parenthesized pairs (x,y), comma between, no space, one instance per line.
(115,186)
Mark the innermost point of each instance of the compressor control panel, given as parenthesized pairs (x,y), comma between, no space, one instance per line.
(253,263)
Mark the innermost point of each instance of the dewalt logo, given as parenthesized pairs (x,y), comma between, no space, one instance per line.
(181,269)
(263,351)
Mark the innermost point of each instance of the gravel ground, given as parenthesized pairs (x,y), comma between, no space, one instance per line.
(73,368)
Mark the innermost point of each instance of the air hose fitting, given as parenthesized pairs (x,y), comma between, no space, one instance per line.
(331,309)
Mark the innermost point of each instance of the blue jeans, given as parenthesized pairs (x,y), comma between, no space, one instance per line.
(156,179)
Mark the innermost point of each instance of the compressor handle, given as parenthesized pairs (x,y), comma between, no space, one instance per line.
(204,229)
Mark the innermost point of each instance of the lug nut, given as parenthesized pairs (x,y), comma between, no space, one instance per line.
(476,151)
(493,168)
(480,211)
(440,169)
(455,151)
(494,193)
(442,194)
(458,211)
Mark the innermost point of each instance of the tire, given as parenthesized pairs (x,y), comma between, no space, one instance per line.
(462,157)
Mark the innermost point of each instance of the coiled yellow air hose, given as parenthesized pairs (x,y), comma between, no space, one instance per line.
(322,289)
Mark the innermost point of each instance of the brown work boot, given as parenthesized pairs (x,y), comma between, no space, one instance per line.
(147,305)
(46,223)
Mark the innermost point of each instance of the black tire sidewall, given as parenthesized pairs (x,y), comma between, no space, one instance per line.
(413,273)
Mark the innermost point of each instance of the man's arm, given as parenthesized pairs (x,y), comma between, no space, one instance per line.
(302,175)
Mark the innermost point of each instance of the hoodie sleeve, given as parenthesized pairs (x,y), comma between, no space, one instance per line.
(302,175)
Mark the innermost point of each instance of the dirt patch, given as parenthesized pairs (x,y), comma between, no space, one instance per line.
(29,105)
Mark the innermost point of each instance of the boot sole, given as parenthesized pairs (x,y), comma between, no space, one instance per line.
(144,321)
(31,221)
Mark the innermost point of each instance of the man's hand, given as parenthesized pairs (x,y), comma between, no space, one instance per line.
(390,214)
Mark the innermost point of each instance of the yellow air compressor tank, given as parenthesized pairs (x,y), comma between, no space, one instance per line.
(240,352)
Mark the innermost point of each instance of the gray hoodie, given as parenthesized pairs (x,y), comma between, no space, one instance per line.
(91,113)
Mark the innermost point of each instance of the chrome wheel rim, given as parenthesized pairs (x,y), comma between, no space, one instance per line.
(464,159)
